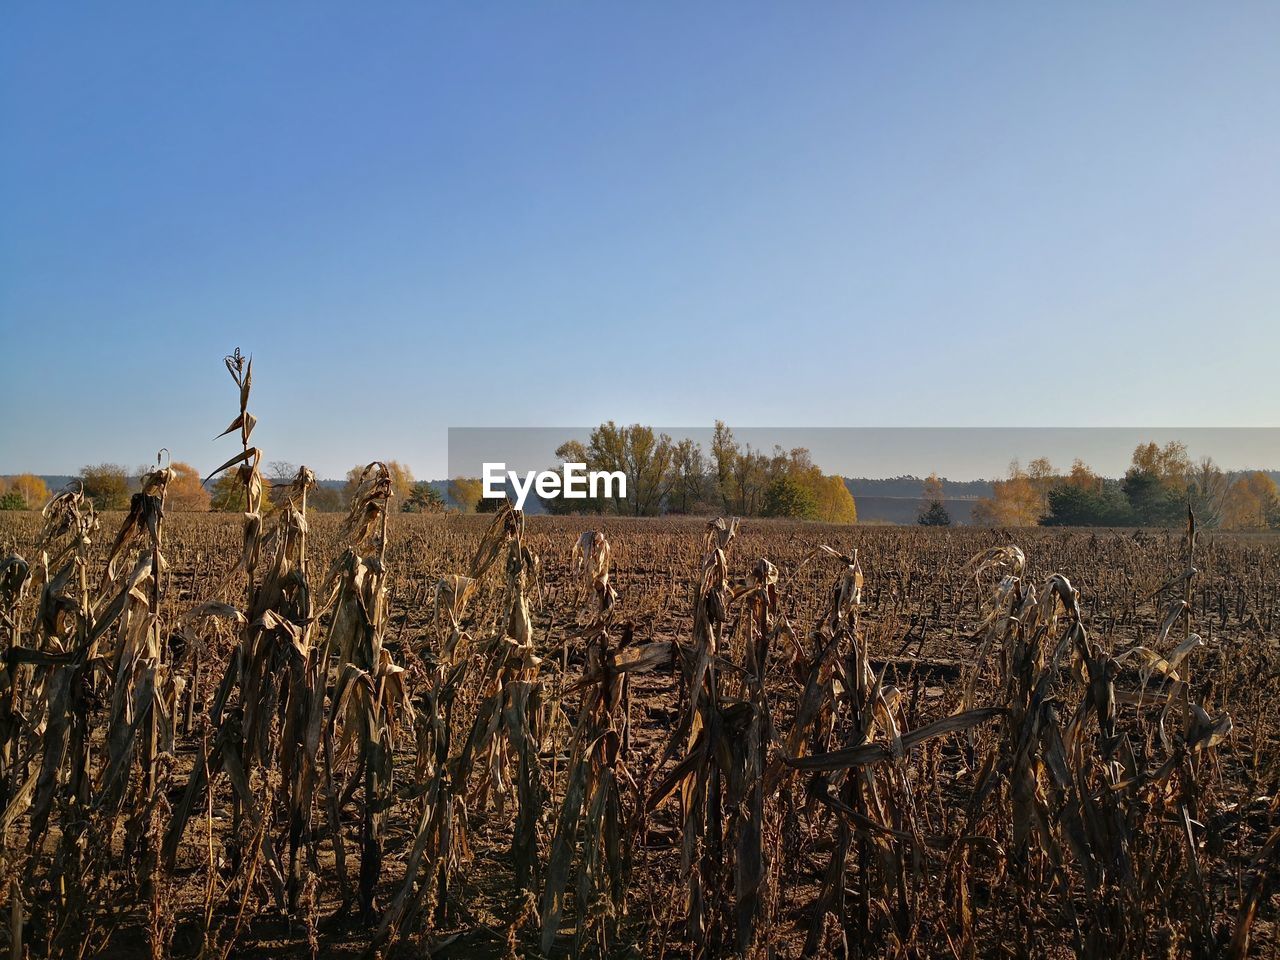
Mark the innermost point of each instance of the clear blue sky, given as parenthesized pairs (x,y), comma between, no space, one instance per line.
(418,216)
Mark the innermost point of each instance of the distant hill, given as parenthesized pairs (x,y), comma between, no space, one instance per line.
(909,486)
(900,510)
(898,499)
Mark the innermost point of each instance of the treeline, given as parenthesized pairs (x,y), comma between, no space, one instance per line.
(1155,491)
(667,476)
(408,495)
(109,486)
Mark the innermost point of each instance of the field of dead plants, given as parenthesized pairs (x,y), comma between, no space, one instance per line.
(290,734)
(478,736)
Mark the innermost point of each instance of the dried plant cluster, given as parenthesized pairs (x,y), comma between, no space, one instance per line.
(403,736)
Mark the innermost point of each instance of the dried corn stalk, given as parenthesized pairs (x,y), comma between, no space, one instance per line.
(592,812)
(507,731)
(369,692)
(268,710)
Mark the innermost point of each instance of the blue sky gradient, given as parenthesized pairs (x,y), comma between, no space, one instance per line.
(418,216)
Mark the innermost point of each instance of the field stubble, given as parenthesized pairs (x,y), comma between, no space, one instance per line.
(665,738)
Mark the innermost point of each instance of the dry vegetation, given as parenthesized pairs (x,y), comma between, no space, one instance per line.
(490,736)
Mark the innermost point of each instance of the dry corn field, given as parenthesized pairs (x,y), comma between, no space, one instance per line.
(406,735)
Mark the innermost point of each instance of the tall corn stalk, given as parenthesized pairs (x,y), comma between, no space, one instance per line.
(268,711)
(369,691)
(592,811)
(62,652)
(71,625)
(437,839)
(700,775)
(508,726)
(145,693)
(15,573)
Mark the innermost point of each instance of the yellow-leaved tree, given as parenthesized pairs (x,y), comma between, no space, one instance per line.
(833,501)
(1252,503)
(465,492)
(1083,478)
(33,490)
(186,493)
(1017,501)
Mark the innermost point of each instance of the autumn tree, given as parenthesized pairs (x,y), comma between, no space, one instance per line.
(466,492)
(754,488)
(751,475)
(1017,501)
(832,499)
(932,489)
(401,478)
(1170,463)
(677,477)
(1081,498)
(185,491)
(1042,476)
(833,503)
(1156,484)
(647,459)
(743,474)
(32,491)
(1082,477)
(643,456)
(1252,503)
(107,485)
